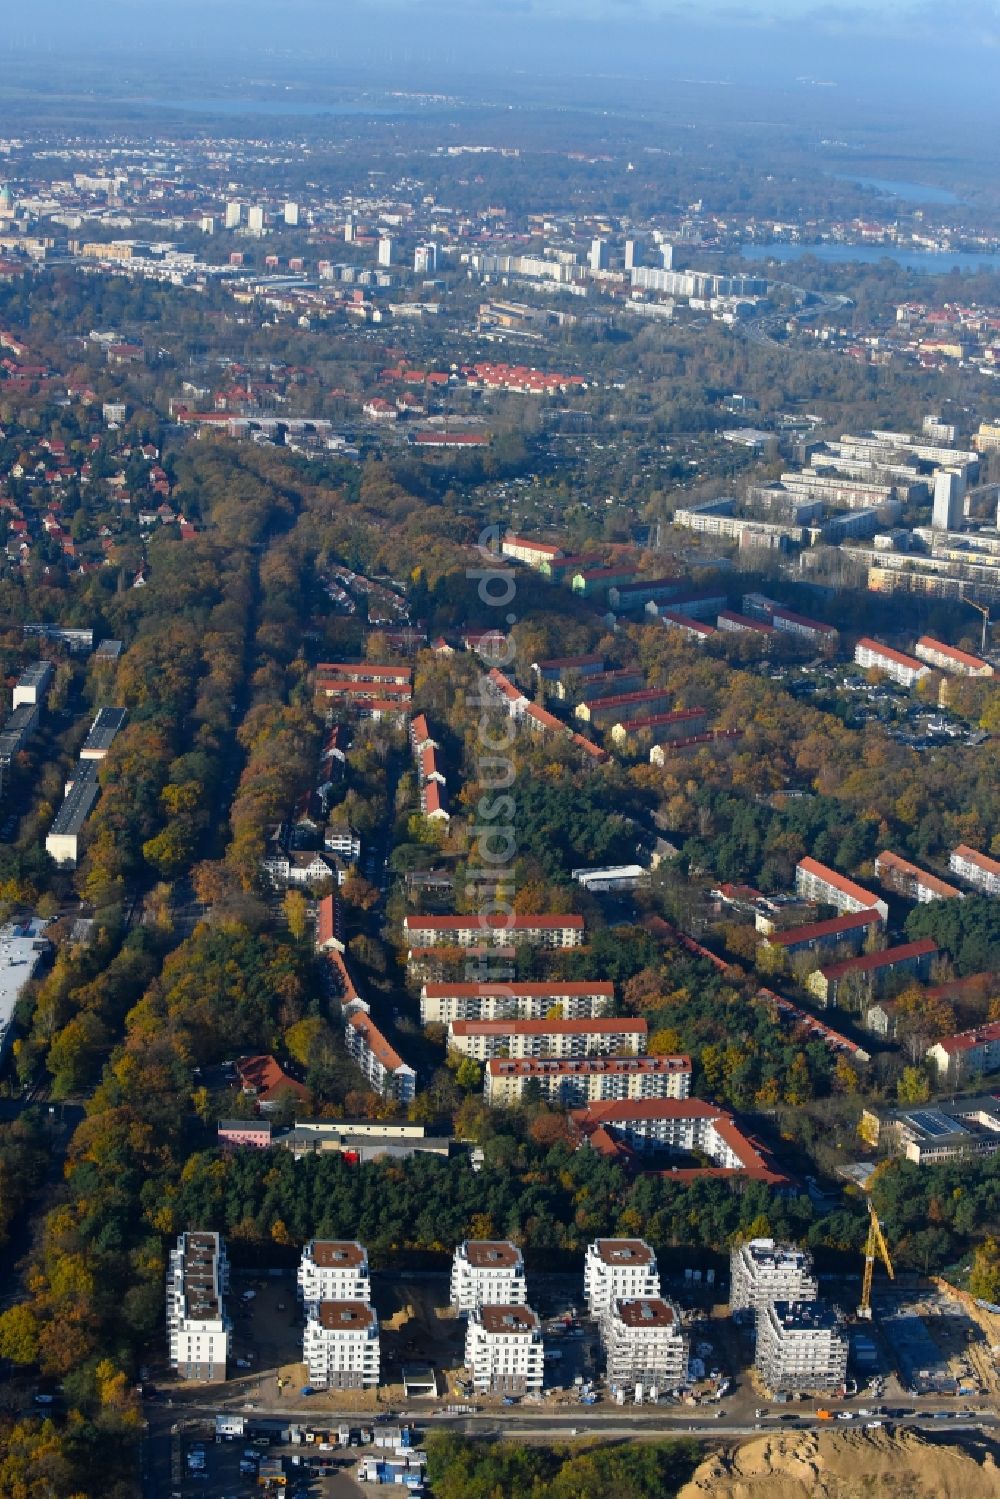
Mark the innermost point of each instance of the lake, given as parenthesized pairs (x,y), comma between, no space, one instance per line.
(910,192)
(912,260)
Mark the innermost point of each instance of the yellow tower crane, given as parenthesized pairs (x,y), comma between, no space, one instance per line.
(983,609)
(874,1245)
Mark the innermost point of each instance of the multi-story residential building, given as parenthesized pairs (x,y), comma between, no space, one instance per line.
(495,929)
(910,880)
(529,551)
(975,868)
(815,881)
(442,1003)
(608,1036)
(949,658)
(684,1126)
(632,597)
(644,1343)
(761,1271)
(742,624)
(378,1059)
(560,667)
(800,1347)
(601,684)
(487,1272)
(785,621)
(333,1270)
(618,1268)
(619,706)
(660,728)
(868,973)
(967,1053)
(987,439)
(584,1080)
(848,931)
(198,1327)
(874,656)
(340,1346)
(504,1352)
(32,684)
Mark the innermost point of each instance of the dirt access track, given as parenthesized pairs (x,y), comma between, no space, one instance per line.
(835,1465)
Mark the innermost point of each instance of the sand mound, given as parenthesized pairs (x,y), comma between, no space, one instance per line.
(848,1465)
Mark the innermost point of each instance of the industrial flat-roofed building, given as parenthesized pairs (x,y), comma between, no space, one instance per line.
(22,947)
(800,1346)
(441,1003)
(965,1128)
(504,1351)
(761,1271)
(616,1268)
(198,1328)
(333,1270)
(103,732)
(62,842)
(577,1080)
(607,1035)
(644,1342)
(487,1272)
(340,1346)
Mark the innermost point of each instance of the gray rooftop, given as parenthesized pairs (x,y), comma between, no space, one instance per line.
(81,797)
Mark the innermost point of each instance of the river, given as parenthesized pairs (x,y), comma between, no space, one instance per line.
(929,261)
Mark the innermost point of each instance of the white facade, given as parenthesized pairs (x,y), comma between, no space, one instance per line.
(762,1271)
(585,1080)
(618,1269)
(893,664)
(292,214)
(441,1003)
(487,1272)
(333,1270)
(484,1039)
(504,1351)
(340,1346)
(975,868)
(385,248)
(255,220)
(378,1058)
(949,499)
(234,215)
(800,1346)
(198,1328)
(644,1343)
(500,931)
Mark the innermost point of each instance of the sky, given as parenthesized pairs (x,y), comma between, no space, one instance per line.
(915,51)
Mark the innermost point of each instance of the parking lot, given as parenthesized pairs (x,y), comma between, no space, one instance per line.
(231,1470)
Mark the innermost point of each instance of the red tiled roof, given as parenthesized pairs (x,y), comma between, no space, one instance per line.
(869,962)
(817,930)
(838,881)
(267,1078)
(605,1025)
(492,922)
(887,651)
